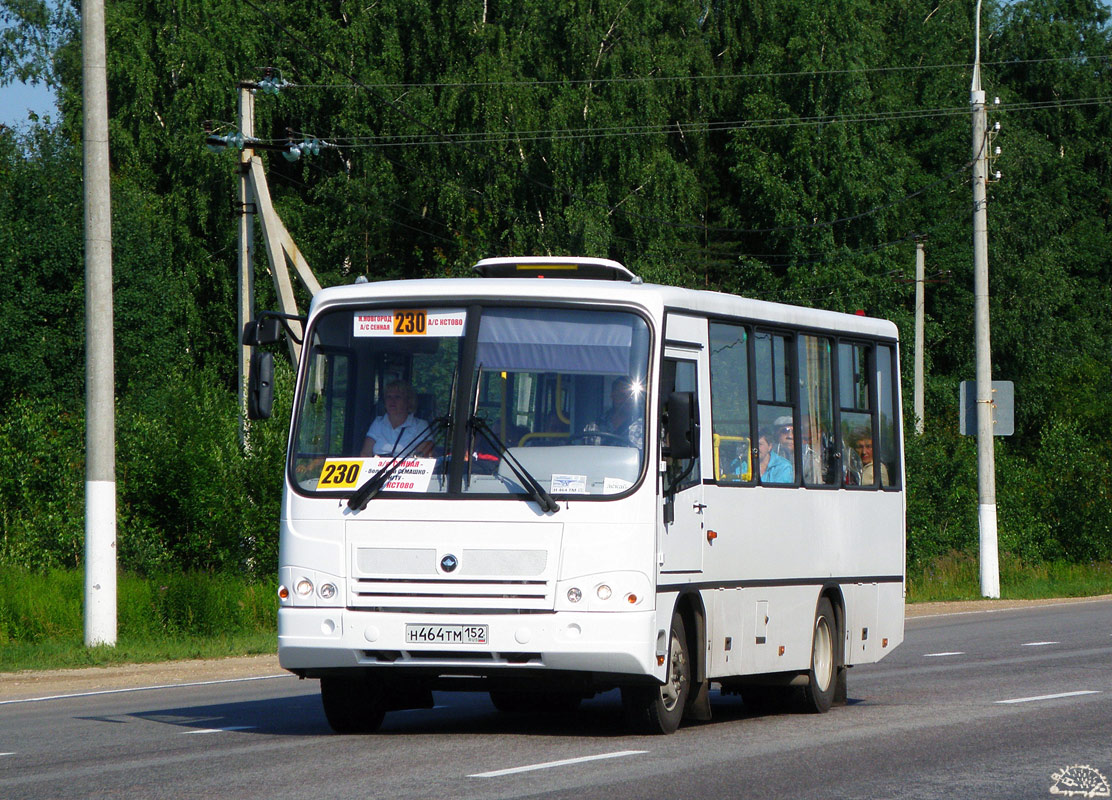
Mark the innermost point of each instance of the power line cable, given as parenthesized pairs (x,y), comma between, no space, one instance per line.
(527,83)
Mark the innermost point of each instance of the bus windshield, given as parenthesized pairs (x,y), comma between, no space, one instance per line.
(560,392)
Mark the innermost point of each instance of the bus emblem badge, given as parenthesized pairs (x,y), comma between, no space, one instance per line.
(449,563)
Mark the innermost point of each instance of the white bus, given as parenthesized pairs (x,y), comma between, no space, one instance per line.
(595,483)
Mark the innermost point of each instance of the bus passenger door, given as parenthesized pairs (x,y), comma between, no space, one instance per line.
(681,547)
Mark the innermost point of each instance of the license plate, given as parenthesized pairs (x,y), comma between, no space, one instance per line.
(446,634)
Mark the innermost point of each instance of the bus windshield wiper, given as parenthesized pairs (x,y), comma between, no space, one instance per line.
(538,493)
(367,492)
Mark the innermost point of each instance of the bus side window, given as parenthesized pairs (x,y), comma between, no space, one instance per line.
(678,376)
(729,403)
(887,446)
(855,399)
(815,438)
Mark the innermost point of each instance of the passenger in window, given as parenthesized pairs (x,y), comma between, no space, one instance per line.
(393,432)
(784,441)
(774,468)
(864,448)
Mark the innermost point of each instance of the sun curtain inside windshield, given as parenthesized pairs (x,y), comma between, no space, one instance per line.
(563,390)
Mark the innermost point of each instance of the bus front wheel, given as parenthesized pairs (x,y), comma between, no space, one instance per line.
(659,709)
(352,705)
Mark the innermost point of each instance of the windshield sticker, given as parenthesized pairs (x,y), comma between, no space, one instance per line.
(568,484)
(411,475)
(614,485)
(411,322)
(339,474)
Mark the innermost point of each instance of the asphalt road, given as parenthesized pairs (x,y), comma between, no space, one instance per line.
(979,705)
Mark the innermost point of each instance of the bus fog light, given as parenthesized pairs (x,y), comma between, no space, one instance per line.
(304,587)
(574,595)
(603,592)
(327,590)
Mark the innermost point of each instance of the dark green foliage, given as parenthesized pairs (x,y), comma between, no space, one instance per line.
(783,150)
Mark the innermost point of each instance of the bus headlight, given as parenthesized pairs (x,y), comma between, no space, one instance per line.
(327,590)
(605,591)
(304,587)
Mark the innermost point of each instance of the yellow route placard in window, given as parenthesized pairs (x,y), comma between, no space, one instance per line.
(340,474)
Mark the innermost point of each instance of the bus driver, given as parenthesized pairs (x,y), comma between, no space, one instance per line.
(398,428)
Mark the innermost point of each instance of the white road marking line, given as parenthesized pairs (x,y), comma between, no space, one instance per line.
(940,655)
(7,754)
(563,763)
(221,730)
(1047,697)
(1037,644)
(142,689)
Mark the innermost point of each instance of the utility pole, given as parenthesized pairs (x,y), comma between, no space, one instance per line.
(246,294)
(986,468)
(100,413)
(920,299)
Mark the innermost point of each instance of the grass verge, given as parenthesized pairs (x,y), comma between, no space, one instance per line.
(956,576)
(159,618)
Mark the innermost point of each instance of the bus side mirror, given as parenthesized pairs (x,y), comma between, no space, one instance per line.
(260,386)
(266,330)
(683,427)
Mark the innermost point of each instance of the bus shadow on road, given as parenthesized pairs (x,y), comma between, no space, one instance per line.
(453,713)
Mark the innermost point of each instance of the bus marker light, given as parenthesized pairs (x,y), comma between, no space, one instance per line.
(712,535)
(660,659)
(884,642)
(603,592)
(781,649)
(632,599)
(283,593)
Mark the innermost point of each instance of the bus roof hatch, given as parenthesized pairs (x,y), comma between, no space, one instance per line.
(554,267)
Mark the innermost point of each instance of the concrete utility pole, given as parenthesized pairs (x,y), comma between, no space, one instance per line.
(100,416)
(986,467)
(920,269)
(246,297)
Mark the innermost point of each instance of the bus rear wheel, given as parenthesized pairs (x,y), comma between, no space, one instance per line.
(352,705)
(659,709)
(818,694)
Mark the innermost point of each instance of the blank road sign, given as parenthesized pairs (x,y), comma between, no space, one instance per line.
(1003,408)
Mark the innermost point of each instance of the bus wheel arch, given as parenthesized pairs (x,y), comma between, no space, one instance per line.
(690,607)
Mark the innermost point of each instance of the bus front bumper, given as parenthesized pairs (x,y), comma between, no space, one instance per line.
(312,640)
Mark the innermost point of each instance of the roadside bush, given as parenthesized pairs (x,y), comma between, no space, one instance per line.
(187,497)
(42,484)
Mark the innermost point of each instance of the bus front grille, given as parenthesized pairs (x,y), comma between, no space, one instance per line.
(451,593)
